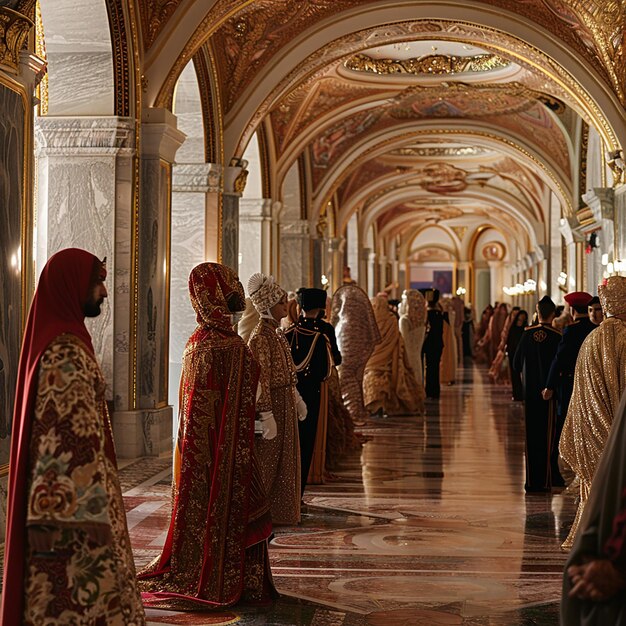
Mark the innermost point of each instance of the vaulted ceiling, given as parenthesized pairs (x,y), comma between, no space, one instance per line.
(410,113)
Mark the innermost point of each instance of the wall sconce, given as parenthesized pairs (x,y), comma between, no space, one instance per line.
(461,291)
(324,281)
(605,259)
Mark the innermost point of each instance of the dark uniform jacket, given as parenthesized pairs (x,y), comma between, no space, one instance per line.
(561,374)
(533,357)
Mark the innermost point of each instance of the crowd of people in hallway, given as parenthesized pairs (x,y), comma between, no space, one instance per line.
(270,395)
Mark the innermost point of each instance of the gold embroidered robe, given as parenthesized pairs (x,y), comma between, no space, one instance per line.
(75,502)
(599,381)
(279,458)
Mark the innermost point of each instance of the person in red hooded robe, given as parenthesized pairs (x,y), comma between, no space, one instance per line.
(215,553)
(68,558)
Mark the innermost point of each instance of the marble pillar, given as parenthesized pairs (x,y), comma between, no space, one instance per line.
(255,236)
(234,184)
(607,207)
(84,171)
(191,183)
(335,252)
(144,426)
(372,285)
(295,255)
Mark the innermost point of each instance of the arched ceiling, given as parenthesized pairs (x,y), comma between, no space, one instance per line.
(407,112)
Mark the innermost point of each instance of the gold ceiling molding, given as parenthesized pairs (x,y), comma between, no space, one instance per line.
(490,39)
(432,64)
(438,151)
(444,132)
(14,29)
(595,28)
(459,231)
(154,16)
(482,99)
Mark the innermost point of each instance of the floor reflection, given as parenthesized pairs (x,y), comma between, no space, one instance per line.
(429,524)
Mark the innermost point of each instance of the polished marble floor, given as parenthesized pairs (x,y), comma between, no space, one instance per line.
(427,525)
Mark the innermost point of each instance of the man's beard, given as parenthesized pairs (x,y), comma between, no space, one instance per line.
(92,308)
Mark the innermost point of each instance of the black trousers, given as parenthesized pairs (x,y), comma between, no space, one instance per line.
(307,428)
(432,358)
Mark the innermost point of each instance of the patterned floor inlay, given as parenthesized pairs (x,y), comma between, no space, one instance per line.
(428,524)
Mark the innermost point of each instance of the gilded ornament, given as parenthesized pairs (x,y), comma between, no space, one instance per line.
(438,151)
(14,29)
(239,184)
(431,64)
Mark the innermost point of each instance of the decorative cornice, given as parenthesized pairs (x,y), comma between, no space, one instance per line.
(83,135)
(197,177)
(14,29)
(432,64)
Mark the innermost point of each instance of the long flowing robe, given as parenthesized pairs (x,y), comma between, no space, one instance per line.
(389,381)
(279,458)
(215,553)
(357,335)
(599,381)
(413,329)
(381,371)
(449,357)
(67,552)
(602,532)
(92,576)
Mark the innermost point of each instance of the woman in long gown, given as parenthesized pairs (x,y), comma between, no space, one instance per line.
(412,324)
(516,330)
(389,384)
(215,553)
(278,400)
(357,335)
(449,357)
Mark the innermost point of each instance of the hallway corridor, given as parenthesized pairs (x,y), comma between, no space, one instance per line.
(428,525)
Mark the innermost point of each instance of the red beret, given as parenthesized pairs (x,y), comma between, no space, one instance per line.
(578,298)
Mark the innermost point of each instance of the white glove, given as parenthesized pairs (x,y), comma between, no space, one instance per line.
(268,425)
(300,407)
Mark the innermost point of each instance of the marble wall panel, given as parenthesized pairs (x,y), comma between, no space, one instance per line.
(80,59)
(11,194)
(188,215)
(294,260)
(80,212)
(250,247)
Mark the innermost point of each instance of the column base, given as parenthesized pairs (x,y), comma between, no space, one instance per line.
(144,432)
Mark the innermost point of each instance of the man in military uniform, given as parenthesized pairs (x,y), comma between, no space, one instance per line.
(533,358)
(313,357)
(561,375)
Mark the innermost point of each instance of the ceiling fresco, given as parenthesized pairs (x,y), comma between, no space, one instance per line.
(527,119)
(488,94)
(253,35)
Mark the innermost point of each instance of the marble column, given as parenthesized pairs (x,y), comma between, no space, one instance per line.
(496,280)
(571,236)
(320,246)
(295,254)
(84,198)
(144,425)
(191,185)
(372,285)
(234,184)
(255,236)
(335,251)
